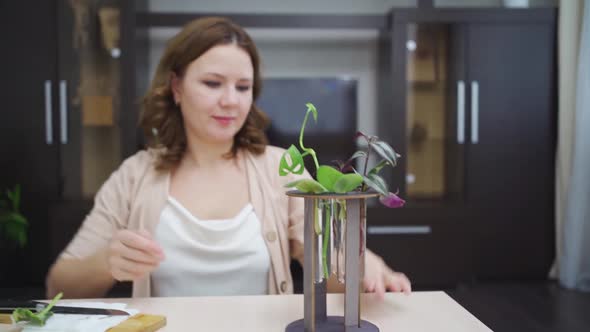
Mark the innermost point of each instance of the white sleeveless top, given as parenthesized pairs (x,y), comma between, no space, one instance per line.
(210,257)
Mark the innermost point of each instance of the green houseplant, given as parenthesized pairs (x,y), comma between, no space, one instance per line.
(343,177)
(13,225)
(335,226)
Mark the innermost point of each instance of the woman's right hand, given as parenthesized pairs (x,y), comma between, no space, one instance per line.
(133,254)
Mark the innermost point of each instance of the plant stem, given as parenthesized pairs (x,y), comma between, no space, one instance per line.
(326,240)
(367,161)
(316,217)
(51,304)
(364,186)
(307,151)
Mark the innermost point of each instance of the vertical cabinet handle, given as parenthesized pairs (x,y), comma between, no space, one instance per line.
(48,114)
(474,112)
(460,112)
(63,111)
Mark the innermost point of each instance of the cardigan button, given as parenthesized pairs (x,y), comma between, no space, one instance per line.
(283,286)
(271,236)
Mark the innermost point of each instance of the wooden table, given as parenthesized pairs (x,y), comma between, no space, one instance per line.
(421,311)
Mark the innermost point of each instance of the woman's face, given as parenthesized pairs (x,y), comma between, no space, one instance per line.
(215,93)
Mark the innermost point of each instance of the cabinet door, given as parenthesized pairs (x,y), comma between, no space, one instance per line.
(27,130)
(510,167)
(27,122)
(89,91)
(424,119)
(429,112)
(433,250)
(511,113)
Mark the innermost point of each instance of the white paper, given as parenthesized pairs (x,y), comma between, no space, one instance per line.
(83,323)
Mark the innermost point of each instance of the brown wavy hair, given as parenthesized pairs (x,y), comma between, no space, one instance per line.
(161,119)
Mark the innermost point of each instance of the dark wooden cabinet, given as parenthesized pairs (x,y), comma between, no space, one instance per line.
(471,108)
(28,124)
(62,130)
(511,164)
(511,103)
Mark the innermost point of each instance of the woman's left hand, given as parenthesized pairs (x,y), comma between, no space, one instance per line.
(379,278)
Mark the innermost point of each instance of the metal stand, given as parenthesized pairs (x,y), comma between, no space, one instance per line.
(315,318)
(333,324)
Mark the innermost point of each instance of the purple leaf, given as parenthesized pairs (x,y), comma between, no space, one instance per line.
(392,200)
(339,164)
(360,134)
(347,166)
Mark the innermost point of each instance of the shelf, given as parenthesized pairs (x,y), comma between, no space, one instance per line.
(147,19)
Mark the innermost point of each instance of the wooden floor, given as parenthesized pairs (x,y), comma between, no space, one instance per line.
(523,307)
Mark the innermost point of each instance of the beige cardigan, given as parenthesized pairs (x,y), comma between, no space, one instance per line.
(134,196)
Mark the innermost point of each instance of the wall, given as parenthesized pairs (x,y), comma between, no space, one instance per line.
(292,53)
(273,6)
(318,7)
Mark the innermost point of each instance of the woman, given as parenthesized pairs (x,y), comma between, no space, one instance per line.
(203,211)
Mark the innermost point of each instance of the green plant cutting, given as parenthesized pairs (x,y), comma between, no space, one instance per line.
(35,318)
(341,178)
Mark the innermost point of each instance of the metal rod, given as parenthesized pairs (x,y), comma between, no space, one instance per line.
(63,110)
(320,301)
(352,287)
(308,267)
(474,112)
(460,112)
(383,230)
(48,114)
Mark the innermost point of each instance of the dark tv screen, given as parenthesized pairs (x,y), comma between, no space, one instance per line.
(284,99)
